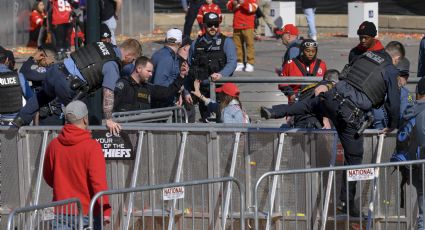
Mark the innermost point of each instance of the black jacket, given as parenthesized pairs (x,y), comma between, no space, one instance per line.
(130,95)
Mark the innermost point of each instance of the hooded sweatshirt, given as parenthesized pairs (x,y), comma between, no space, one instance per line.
(75,167)
(417,110)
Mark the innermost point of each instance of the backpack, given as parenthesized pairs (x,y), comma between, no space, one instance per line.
(407,149)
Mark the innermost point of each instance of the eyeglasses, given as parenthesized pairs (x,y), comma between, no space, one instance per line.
(310,44)
(213,24)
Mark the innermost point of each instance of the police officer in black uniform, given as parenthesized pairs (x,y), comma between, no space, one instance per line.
(211,55)
(364,84)
(134,92)
(89,68)
(13,87)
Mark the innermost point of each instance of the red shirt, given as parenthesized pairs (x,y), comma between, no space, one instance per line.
(244,16)
(61,11)
(74,166)
(291,69)
(36,20)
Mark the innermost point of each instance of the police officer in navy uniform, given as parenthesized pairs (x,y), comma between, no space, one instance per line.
(368,82)
(13,87)
(89,68)
(212,55)
(134,92)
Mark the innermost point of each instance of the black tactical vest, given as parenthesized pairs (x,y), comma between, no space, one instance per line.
(208,58)
(90,59)
(143,97)
(10,93)
(366,73)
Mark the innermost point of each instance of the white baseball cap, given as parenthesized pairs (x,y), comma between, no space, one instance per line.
(175,35)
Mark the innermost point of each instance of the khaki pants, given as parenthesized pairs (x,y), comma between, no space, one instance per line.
(244,42)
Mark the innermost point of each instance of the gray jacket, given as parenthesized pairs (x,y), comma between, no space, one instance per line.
(417,109)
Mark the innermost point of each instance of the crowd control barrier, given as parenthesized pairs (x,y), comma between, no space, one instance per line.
(47,216)
(177,114)
(172,153)
(183,205)
(306,208)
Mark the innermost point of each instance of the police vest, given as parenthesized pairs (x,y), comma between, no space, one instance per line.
(366,73)
(208,58)
(10,93)
(143,97)
(90,59)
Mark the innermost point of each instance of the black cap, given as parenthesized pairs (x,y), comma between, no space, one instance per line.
(367,28)
(403,67)
(420,88)
(105,32)
(211,18)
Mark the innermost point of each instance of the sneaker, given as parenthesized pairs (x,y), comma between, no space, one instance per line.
(239,67)
(266,113)
(249,68)
(314,37)
(353,212)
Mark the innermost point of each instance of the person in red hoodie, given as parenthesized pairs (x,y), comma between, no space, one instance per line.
(306,64)
(243,31)
(208,7)
(74,166)
(367,33)
(37,18)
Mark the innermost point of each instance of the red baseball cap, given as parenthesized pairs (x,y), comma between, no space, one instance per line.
(288,29)
(229,88)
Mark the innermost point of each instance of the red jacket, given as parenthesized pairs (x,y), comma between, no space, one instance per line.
(291,69)
(36,20)
(61,11)
(211,8)
(244,16)
(74,166)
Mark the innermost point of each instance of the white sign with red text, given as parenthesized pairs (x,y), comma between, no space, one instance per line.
(360,174)
(173,193)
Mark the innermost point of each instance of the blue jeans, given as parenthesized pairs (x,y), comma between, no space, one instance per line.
(70,222)
(309,15)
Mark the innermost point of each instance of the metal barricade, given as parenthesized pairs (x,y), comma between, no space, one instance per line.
(186,205)
(177,114)
(297,210)
(54,215)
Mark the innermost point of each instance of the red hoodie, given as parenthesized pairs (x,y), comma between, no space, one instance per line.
(74,166)
(244,16)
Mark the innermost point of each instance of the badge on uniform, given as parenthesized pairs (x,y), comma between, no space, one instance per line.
(218,42)
(120,85)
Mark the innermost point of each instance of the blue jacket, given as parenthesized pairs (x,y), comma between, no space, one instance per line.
(417,109)
(421,59)
(26,89)
(166,67)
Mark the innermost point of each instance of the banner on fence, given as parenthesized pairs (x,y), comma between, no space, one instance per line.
(173,193)
(360,174)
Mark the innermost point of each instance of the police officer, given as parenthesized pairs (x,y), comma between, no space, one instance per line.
(134,92)
(347,104)
(13,87)
(211,55)
(34,69)
(89,68)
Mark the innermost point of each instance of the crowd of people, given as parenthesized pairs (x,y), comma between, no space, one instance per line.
(369,92)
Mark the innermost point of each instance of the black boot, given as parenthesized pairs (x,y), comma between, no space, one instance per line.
(353,210)
(18,122)
(267,113)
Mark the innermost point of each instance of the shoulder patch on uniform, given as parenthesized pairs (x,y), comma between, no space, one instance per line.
(120,85)
(41,69)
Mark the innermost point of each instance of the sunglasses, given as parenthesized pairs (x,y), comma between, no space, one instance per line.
(310,44)
(212,24)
